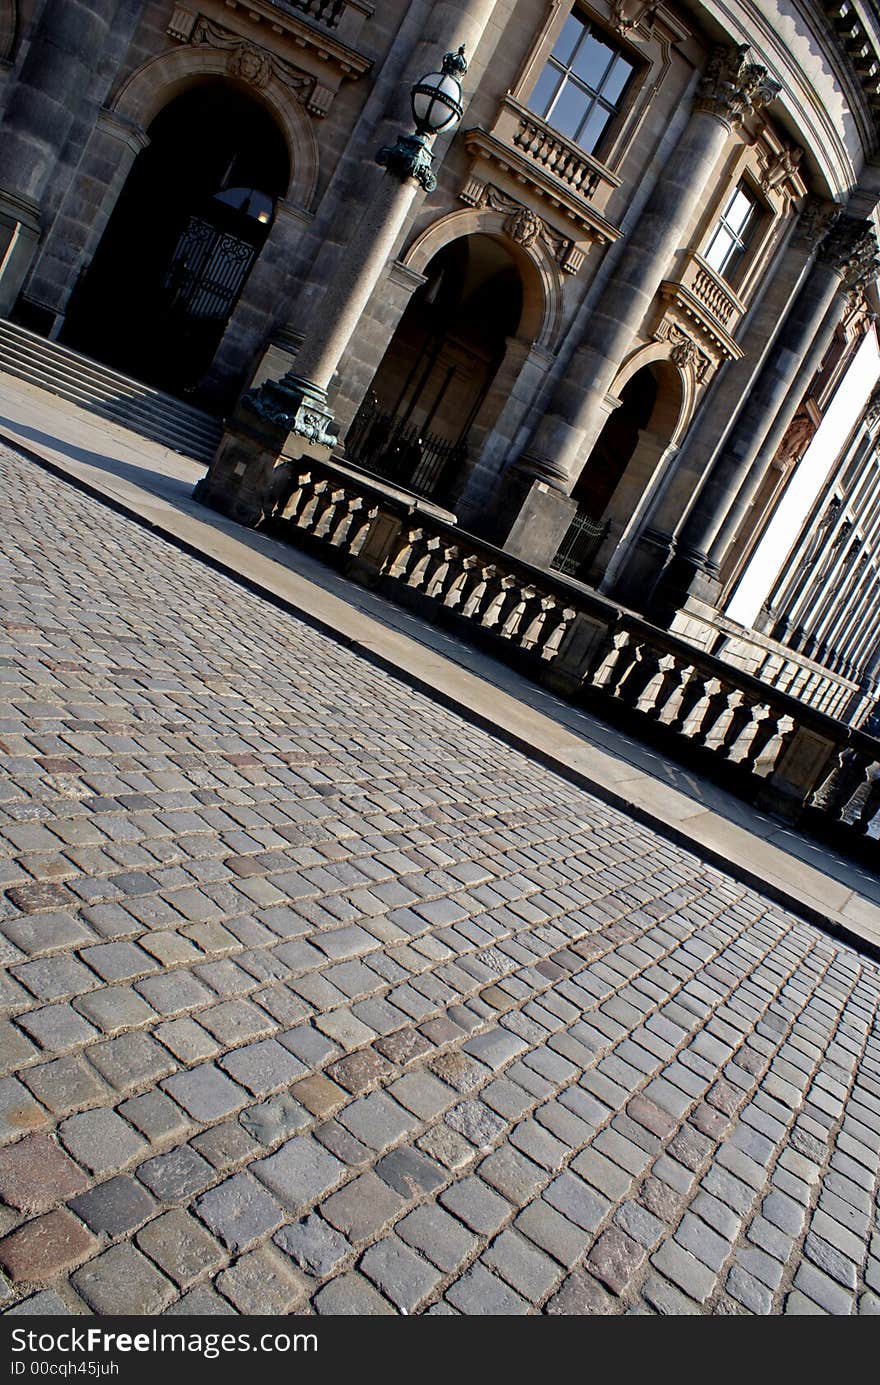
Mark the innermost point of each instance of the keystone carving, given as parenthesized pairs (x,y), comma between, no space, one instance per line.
(780,167)
(523,225)
(623,26)
(733,88)
(247,61)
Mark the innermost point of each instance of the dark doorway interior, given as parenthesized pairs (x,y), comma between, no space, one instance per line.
(616,444)
(438,370)
(182,239)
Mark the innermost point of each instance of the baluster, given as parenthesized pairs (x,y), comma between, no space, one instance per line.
(288,509)
(331,501)
(306,516)
(363,523)
(532,618)
(481,592)
(614,659)
(834,794)
(765,728)
(715,709)
(506,600)
(672,674)
(786,730)
(409,553)
(346,524)
(441,572)
(640,674)
(555,628)
(871,804)
(741,717)
(468,577)
(692,695)
(419,573)
(529,618)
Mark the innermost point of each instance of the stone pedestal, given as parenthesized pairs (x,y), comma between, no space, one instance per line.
(252,467)
(533,520)
(807,761)
(578,652)
(19,239)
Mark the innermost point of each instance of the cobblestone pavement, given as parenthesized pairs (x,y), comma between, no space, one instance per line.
(320,999)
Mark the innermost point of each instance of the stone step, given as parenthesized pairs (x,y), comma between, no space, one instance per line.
(108,393)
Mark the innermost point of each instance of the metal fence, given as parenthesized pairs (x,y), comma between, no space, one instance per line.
(580,544)
(401,452)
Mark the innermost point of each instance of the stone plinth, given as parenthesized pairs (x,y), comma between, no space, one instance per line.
(533,519)
(251,469)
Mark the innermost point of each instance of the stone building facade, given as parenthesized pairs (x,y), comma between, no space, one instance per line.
(601,337)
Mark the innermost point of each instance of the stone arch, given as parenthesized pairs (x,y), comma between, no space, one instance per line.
(158,81)
(542,280)
(8,26)
(676,397)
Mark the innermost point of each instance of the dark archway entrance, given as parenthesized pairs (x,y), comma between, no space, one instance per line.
(184,235)
(616,444)
(611,481)
(436,376)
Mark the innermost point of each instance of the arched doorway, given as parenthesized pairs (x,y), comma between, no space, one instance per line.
(616,444)
(436,377)
(183,237)
(620,468)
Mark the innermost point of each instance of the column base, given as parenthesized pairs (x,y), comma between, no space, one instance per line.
(687,578)
(532,519)
(635,582)
(19,242)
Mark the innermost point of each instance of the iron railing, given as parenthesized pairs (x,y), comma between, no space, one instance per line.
(401,452)
(580,544)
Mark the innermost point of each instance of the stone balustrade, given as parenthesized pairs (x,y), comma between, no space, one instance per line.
(767,746)
(557,155)
(712,293)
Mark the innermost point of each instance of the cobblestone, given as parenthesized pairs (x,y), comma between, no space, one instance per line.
(320,999)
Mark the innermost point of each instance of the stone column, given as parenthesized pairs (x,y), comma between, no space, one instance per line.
(730,88)
(736,473)
(60,63)
(808,622)
(651,549)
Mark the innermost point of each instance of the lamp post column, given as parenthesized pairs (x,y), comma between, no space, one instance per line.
(283,420)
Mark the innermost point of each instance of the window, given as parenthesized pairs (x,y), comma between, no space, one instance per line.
(733,232)
(582,85)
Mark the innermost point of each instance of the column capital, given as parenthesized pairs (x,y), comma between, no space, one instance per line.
(850,248)
(815,220)
(731,87)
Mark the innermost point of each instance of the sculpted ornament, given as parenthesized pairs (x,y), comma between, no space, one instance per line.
(684,354)
(733,88)
(523,226)
(624,26)
(782,166)
(250,64)
(797,438)
(872,411)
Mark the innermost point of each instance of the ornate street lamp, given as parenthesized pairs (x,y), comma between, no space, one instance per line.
(436,108)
